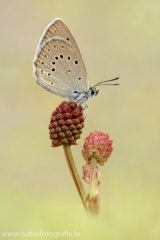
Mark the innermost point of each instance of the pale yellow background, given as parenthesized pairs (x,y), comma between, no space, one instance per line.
(116,38)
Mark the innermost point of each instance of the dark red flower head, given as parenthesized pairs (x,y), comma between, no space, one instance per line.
(66,124)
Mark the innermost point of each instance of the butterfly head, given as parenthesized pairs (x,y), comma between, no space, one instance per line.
(93,91)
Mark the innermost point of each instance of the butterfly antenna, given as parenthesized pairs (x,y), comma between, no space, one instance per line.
(109,84)
(101,83)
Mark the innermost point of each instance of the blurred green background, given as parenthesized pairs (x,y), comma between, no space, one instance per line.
(116,39)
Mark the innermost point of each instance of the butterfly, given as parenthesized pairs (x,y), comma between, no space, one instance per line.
(58,65)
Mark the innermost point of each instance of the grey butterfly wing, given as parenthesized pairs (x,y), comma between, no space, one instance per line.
(59,68)
(58,28)
(57,33)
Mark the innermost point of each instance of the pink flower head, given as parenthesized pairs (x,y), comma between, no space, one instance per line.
(97,145)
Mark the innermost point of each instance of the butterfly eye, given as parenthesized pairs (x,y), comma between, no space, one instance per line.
(92,91)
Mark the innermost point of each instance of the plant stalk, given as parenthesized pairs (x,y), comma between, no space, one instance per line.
(74,173)
(93,185)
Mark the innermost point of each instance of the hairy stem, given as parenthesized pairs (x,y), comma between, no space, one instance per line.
(93,185)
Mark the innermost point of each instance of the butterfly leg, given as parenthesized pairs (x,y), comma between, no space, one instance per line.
(87,109)
(71,100)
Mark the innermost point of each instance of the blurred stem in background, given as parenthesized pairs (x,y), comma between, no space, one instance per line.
(92,202)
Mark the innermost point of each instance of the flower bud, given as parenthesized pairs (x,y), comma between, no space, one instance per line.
(97,145)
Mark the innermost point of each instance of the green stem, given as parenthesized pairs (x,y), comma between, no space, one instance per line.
(74,173)
(93,185)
